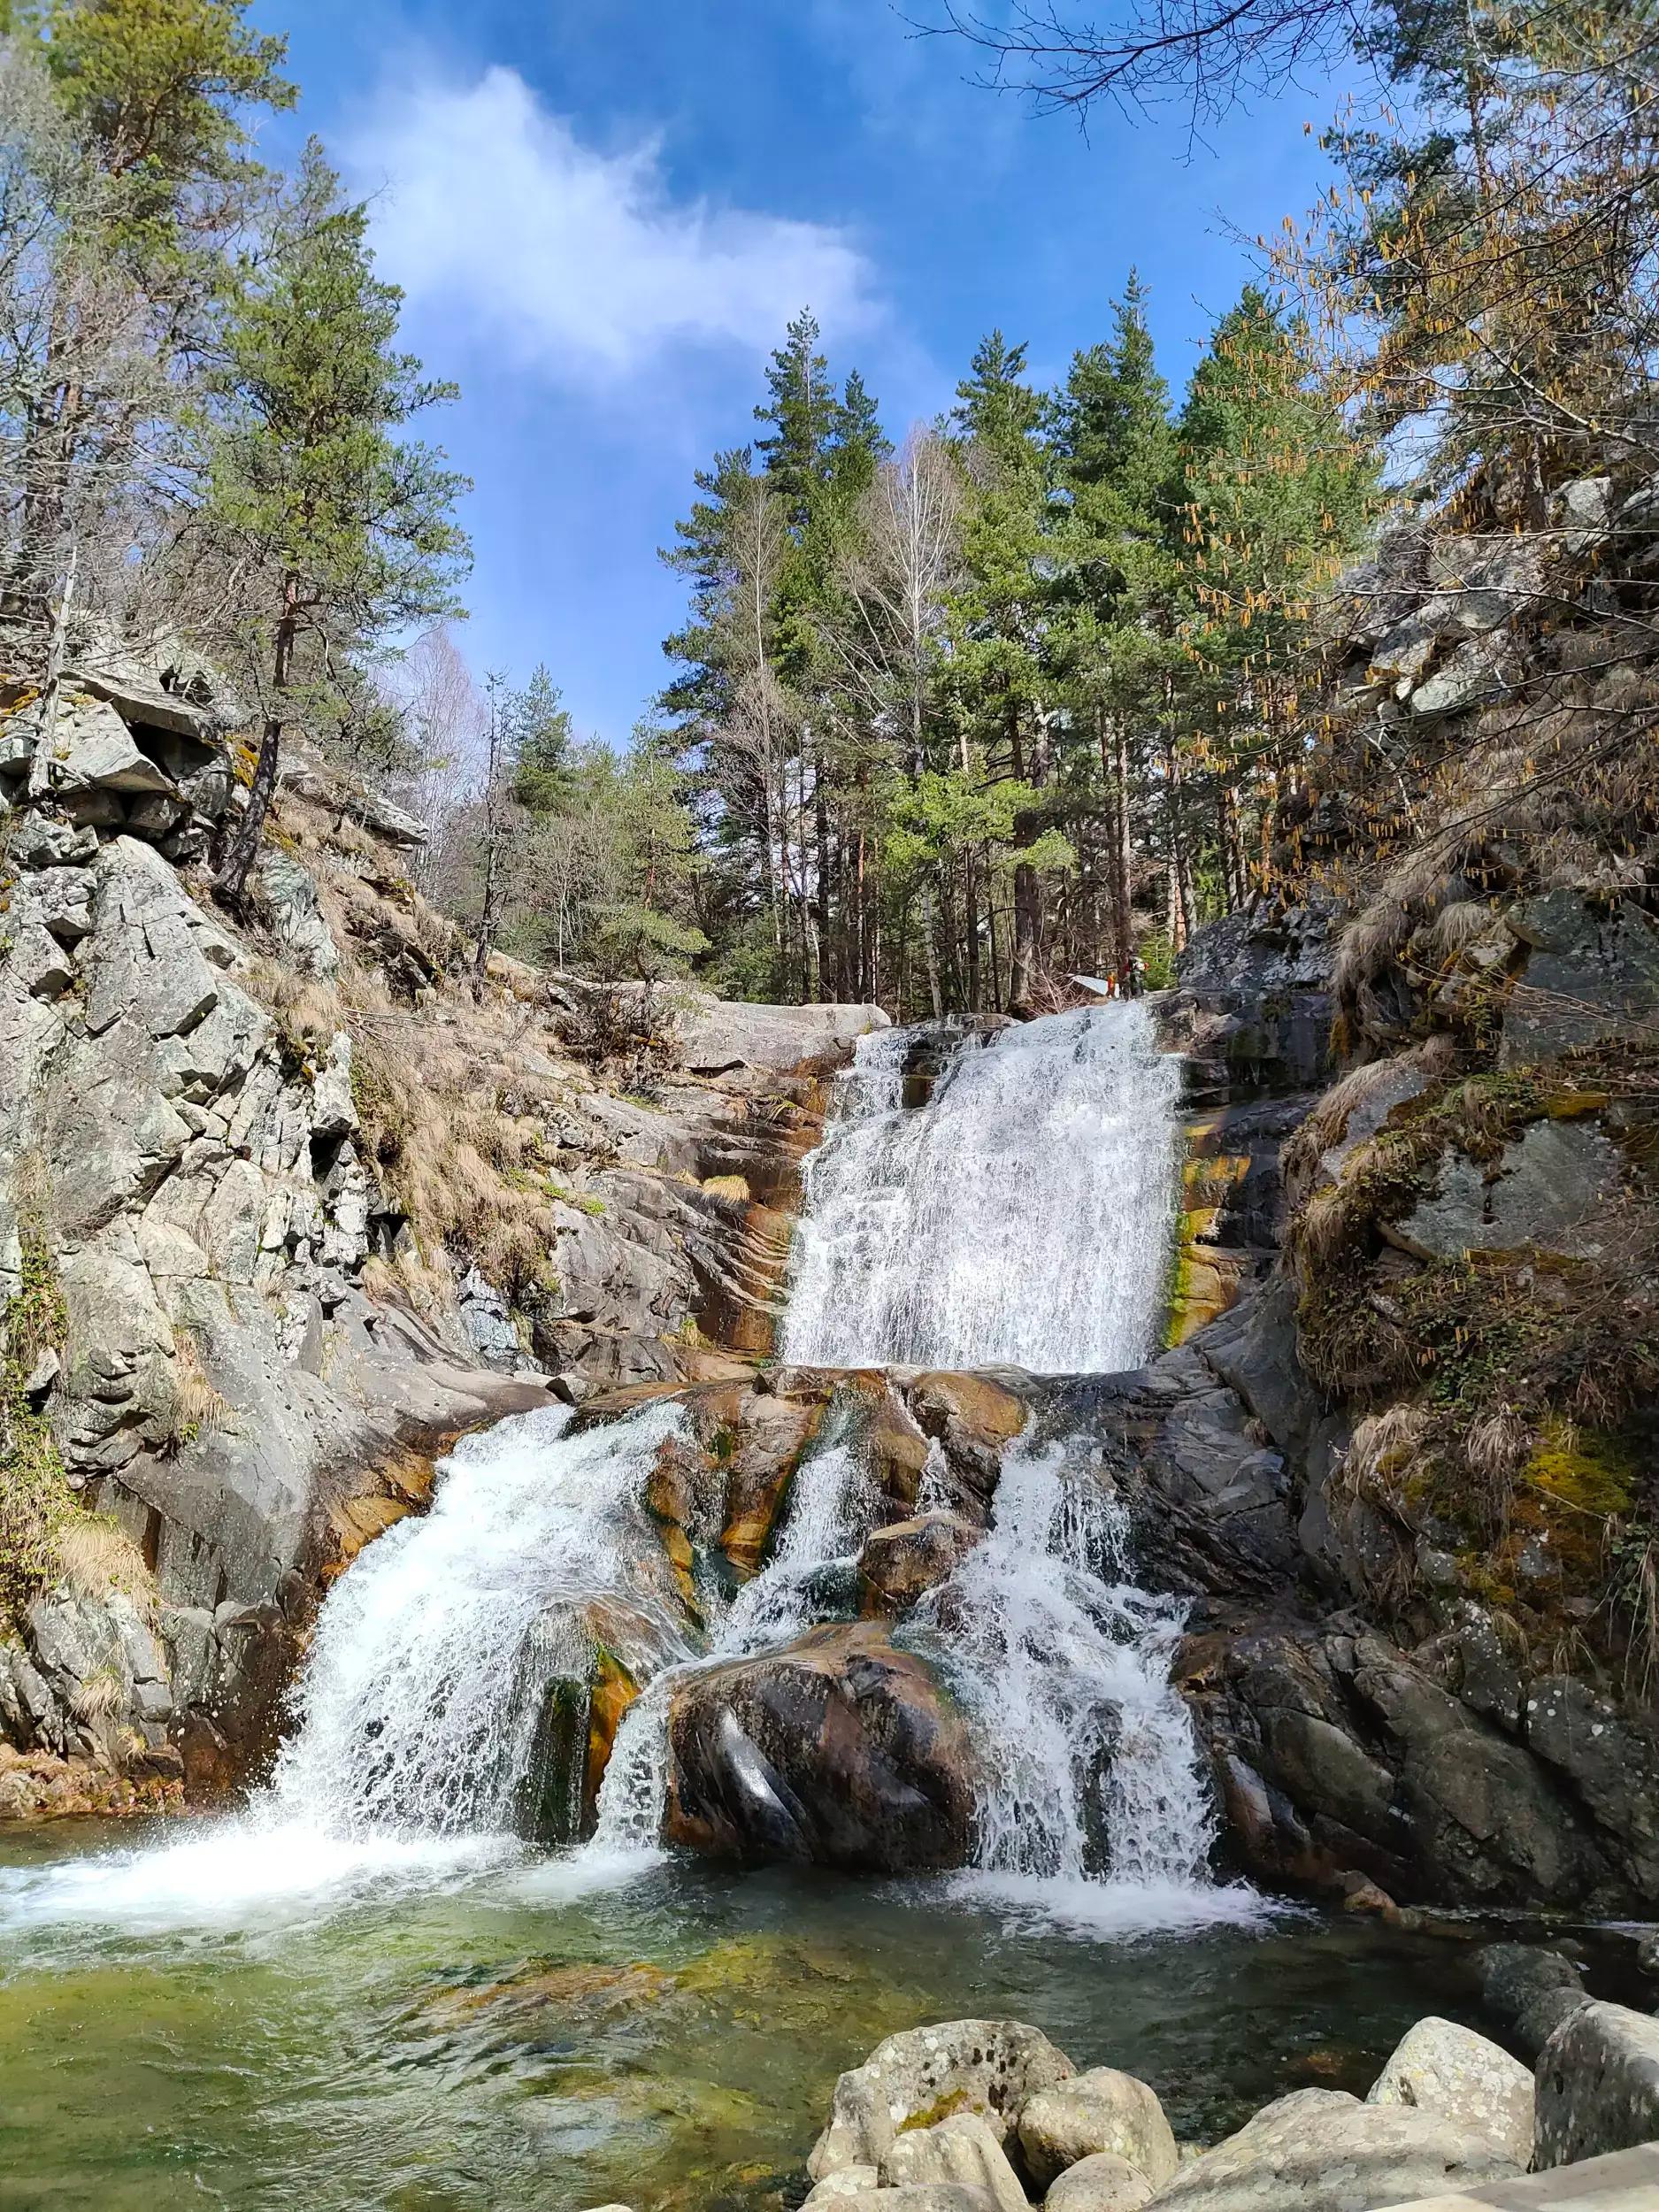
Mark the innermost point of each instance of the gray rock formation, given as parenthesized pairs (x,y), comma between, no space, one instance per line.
(1439,2067)
(1098,2111)
(240,1374)
(1102,2183)
(961,2148)
(991,2067)
(1252,1007)
(1320,2148)
(1529,1990)
(1597,2085)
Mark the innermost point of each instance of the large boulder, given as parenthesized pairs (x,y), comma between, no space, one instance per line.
(1549,1188)
(1530,1991)
(1321,2150)
(847,2181)
(991,2067)
(962,2147)
(1442,2068)
(839,1749)
(92,749)
(1591,972)
(1101,2110)
(716,1036)
(1597,2085)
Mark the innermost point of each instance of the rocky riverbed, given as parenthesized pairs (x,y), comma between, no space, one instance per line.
(989,2115)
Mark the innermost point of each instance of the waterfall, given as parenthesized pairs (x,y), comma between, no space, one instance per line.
(423,1689)
(830,1511)
(1061,1664)
(1021,1217)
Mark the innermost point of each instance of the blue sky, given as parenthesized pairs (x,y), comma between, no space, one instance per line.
(604,214)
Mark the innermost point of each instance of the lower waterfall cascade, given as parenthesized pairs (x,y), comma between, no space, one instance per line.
(419,1700)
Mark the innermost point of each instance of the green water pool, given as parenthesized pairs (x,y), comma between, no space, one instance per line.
(226,2025)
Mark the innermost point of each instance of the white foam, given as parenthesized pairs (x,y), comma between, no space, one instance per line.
(258,1871)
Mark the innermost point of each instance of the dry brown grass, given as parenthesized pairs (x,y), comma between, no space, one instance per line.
(455,1087)
(1384,1450)
(95,1556)
(99,1697)
(198,1409)
(471,1178)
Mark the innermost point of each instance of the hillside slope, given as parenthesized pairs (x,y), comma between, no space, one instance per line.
(288,1199)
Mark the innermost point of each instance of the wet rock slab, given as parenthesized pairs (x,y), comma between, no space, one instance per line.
(838,1750)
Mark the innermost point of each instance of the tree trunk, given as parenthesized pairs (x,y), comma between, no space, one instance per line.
(970,924)
(1114,749)
(244,848)
(1232,846)
(821,892)
(1180,863)
(930,952)
(1027,934)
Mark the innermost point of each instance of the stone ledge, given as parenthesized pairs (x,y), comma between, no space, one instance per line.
(1627,2181)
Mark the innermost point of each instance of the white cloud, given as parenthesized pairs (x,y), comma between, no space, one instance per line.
(581,262)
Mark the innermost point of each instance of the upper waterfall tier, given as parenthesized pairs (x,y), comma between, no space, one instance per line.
(1021,1217)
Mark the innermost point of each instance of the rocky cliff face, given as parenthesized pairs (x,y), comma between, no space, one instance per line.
(284,1201)
(1446,1687)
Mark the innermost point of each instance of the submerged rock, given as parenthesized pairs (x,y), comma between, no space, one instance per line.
(991,2067)
(1099,2111)
(1320,2150)
(840,1749)
(1442,2068)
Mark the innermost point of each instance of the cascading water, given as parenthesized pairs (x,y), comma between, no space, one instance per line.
(831,1509)
(1062,1665)
(422,1694)
(1021,1217)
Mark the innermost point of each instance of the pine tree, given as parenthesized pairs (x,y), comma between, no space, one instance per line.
(996,410)
(1114,445)
(1001,616)
(1275,493)
(348,524)
(138,187)
(804,413)
(158,87)
(542,742)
